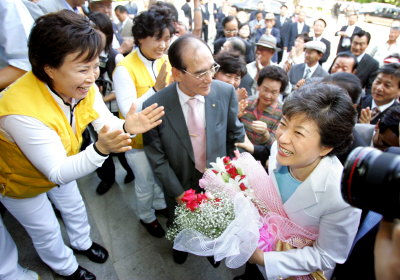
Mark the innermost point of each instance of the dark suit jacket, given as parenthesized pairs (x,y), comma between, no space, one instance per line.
(283,28)
(168,146)
(366,101)
(188,12)
(367,70)
(327,52)
(297,71)
(343,49)
(292,34)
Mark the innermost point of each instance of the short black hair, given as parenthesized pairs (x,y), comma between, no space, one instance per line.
(392,69)
(349,82)
(104,24)
(390,120)
(169,6)
(231,63)
(360,34)
(345,54)
(56,35)
(330,107)
(176,49)
(152,23)
(237,44)
(284,6)
(320,19)
(121,9)
(274,73)
(229,19)
(305,36)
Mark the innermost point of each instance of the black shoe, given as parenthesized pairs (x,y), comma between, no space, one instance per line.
(154,228)
(103,187)
(179,256)
(162,212)
(96,253)
(81,274)
(129,178)
(213,262)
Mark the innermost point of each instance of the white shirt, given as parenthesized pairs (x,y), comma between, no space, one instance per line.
(200,106)
(300,26)
(43,146)
(313,68)
(381,51)
(360,57)
(15,26)
(349,31)
(382,107)
(125,89)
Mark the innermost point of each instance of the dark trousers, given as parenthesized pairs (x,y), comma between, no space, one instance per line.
(107,171)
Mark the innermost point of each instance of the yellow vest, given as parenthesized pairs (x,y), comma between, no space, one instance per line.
(142,80)
(30,97)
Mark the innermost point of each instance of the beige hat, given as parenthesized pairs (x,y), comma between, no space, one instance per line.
(315,45)
(268,41)
(269,16)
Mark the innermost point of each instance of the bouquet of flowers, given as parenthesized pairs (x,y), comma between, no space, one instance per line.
(206,225)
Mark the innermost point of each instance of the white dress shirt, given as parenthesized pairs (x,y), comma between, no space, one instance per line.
(349,31)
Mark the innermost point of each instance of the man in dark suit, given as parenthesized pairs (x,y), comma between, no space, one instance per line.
(385,90)
(175,153)
(206,19)
(346,32)
(295,29)
(282,22)
(318,28)
(188,12)
(367,66)
(299,73)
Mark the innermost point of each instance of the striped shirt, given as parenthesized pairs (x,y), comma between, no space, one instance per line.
(271,116)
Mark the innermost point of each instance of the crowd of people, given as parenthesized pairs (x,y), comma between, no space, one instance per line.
(83,82)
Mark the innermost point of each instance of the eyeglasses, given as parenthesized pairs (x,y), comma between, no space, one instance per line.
(214,69)
(234,31)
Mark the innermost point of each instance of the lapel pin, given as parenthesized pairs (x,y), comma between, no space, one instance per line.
(213,105)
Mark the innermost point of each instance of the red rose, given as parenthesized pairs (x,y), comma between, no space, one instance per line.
(226,160)
(192,205)
(215,171)
(231,169)
(242,187)
(189,195)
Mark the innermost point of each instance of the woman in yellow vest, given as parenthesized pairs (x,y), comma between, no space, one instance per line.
(140,75)
(42,117)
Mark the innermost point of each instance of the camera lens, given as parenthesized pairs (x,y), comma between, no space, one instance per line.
(371,180)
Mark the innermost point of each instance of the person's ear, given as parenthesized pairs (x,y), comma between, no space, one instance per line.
(49,71)
(325,150)
(176,74)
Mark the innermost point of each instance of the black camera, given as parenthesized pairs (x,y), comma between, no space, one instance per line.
(371,180)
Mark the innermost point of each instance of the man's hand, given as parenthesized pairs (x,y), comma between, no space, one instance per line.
(161,78)
(387,252)
(145,120)
(178,199)
(300,84)
(112,141)
(247,145)
(365,115)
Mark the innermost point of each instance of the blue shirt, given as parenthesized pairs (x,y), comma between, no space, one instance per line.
(287,184)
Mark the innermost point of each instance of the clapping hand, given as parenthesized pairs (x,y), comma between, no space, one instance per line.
(140,122)
(161,78)
(365,115)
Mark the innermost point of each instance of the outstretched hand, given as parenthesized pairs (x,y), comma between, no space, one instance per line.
(140,122)
(247,145)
